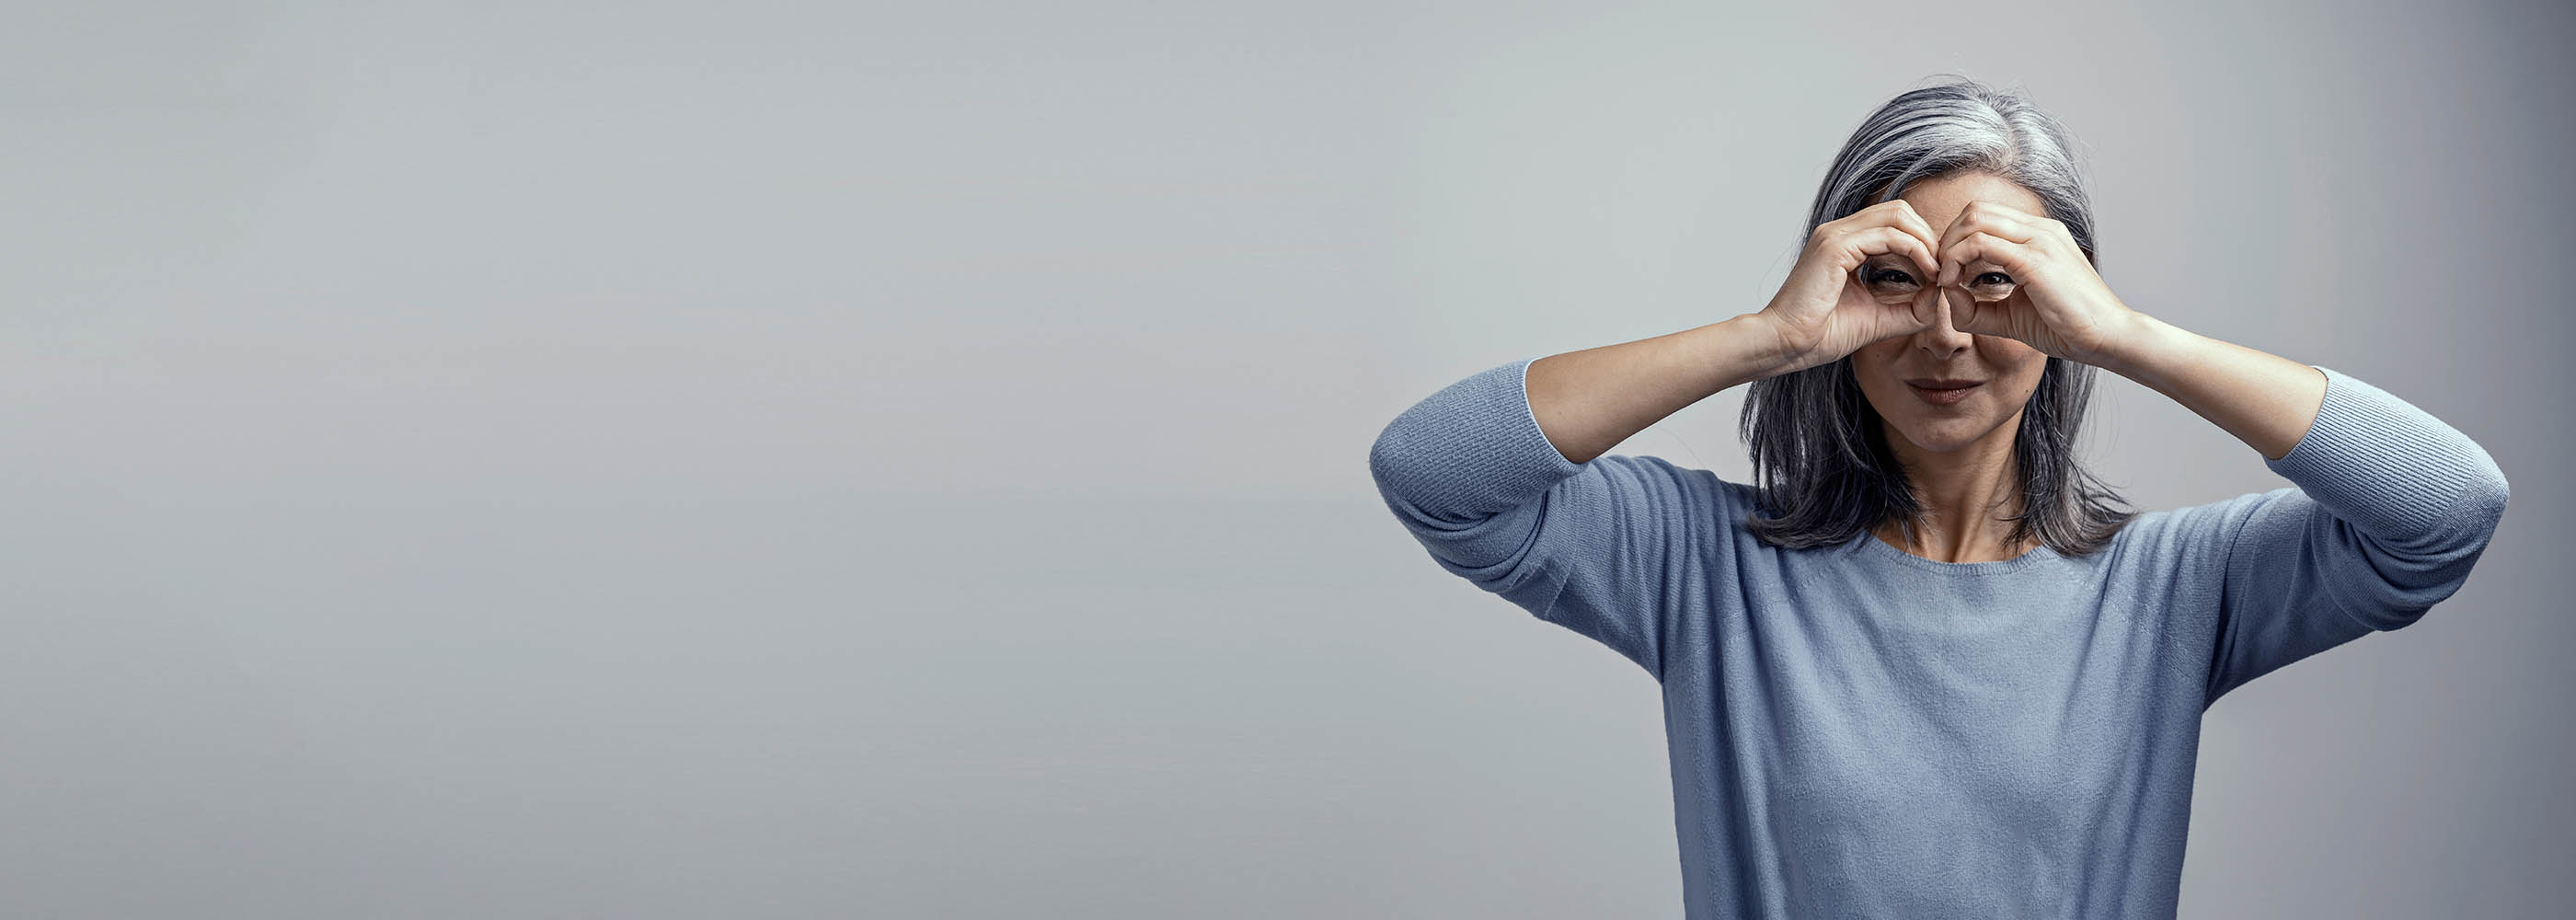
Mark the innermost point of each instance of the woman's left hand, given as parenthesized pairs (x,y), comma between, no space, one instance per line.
(2056,302)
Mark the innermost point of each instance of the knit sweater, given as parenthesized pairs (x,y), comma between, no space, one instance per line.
(1857,731)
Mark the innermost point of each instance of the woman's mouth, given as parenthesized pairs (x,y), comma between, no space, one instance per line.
(1943,394)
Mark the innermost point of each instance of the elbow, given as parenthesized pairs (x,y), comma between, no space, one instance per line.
(1396,465)
(2469,518)
(1385,457)
(2482,505)
(1419,478)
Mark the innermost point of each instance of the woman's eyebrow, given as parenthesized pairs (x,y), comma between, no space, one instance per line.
(1884,260)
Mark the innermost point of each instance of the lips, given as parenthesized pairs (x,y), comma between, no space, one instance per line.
(1943,392)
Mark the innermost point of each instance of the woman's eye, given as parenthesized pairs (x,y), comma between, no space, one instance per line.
(1890,276)
(1990,286)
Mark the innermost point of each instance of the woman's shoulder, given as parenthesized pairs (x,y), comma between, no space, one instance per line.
(1700,482)
(2194,530)
(2172,528)
(1658,487)
(2171,533)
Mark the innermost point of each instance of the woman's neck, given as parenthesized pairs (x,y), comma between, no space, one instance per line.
(1968,498)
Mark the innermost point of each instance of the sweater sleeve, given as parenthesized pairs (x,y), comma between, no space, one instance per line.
(2389,510)
(1604,548)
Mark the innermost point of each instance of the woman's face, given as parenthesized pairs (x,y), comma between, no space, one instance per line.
(2007,369)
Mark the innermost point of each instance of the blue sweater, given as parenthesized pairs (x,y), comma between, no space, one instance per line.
(1858,731)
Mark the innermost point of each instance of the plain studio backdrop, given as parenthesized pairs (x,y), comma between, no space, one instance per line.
(679,460)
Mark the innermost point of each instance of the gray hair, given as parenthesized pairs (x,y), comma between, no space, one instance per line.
(1820,456)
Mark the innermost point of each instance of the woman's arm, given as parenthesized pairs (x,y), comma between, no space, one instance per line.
(2265,400)
(2389,508)
(2389,512)
(1589,401)
(1613,547)
(1502,476)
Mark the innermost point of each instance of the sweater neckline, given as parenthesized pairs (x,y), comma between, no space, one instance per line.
(1871,545)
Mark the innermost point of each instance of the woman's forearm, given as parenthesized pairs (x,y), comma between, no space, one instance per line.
(1588,401)
(2265,400)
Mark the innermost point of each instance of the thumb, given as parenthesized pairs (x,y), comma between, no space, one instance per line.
(1964,309)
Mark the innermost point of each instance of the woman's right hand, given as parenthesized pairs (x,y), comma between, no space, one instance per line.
(1861,278)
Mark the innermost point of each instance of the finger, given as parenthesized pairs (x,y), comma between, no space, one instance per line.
(2006,254)
(1997,220)
(1894,212)
(1965,311)
(1859,245)
(1982,223)
(1927,306)
(2004,215)
(1997,317)
(1902,214)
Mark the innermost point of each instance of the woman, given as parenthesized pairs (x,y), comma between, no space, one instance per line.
(1923,669)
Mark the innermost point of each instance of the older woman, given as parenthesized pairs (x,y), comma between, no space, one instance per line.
(1924,668)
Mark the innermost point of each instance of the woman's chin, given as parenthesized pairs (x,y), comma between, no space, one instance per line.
(1942,435)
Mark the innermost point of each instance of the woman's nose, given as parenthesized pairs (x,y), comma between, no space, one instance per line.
(1943,329)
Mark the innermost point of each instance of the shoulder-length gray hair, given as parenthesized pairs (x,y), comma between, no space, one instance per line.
(1820,456)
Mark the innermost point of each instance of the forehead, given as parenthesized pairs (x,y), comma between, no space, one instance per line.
(1940,198)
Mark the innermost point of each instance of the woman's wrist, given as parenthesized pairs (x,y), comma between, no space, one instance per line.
(2142,351)
(1777,353)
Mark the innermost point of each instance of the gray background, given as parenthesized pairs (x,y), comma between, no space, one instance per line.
(552,459)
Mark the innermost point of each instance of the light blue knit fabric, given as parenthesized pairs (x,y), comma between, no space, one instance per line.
(1861,732)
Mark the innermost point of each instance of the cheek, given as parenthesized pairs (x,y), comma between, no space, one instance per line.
(2026,376)
(2011,353)
(1876,356)
(1878,379)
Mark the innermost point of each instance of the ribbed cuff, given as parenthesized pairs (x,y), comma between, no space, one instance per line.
(2383,464)
(1472,449)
